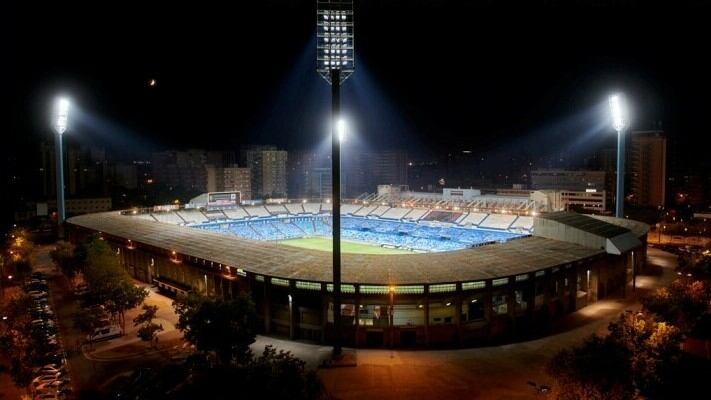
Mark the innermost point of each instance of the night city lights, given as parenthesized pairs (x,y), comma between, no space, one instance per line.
(355,199)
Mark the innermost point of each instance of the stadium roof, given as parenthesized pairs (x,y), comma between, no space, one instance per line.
(586,223)
(272,259)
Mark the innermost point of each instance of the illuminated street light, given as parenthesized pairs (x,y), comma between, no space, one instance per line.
(335,62)
(618,110)
(341,130)
(60,123)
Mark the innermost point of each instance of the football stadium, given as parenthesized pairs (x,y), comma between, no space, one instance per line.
(415,274)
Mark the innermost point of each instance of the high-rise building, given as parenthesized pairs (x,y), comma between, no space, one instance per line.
(301,166)
(268,170)
(558,179)
(363,172)
(648,168)
(185,169)
(319,183)
(86,170)
(228,179)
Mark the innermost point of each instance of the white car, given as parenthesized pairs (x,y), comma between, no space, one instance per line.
(36,294)
(48,369)
(46,379)
(104,333)
(47,396)
(49,387)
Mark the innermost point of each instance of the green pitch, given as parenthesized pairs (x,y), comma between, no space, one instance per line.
(325,244)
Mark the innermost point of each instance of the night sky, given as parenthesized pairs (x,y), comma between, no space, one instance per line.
(431,76)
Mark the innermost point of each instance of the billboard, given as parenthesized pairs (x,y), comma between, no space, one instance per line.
(222,199)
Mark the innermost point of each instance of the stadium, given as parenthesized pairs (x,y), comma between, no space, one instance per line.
(415,274)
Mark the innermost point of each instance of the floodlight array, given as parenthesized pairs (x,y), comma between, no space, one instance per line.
(619,114)
(334,33)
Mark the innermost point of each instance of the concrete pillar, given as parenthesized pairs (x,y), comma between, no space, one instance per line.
(426,307)
(293,311)
(267,305)
(458,313)
(357,315)
(511,302)
(488,293)
(325,299)
(530,295)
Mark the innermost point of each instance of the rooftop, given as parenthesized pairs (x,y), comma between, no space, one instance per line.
(272,259)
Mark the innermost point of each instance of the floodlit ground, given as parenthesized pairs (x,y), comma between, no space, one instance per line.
(325,244)
(496,372)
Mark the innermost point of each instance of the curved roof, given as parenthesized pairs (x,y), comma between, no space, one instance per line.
(515,257)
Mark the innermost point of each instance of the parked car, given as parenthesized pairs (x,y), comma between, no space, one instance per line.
(52,386)
(47,369)
(36,294)
(48,396)
(104,333)
(46,379)
(81,289)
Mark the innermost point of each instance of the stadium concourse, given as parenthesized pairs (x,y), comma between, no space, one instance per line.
(461,276)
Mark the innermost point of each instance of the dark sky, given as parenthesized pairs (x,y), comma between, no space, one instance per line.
(430,75)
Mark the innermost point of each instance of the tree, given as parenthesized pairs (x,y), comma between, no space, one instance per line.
(109,283)
(148,330)
(68,258)
(280,375)
(639,356)
(16,341)
(597,369)
(87,320)
(226,327)
(685,303)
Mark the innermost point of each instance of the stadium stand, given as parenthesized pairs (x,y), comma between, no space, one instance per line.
(365,211)
(498,221)
(295,208)
(326,207)
(349,209)
(169,217)
(277,209)
(192,216)
(383,232)
(288,229)
(442,216)
(523,222)
(380,211)
(215,215)
(306,225)
(235,213)
(396,213)
(473,219)
(257,211)
(312,208)
(416,214)
(146,216)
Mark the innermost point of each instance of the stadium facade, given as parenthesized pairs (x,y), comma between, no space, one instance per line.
(535,270)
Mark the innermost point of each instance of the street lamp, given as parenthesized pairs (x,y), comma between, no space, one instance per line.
(335,62)
(59,123)
(619,122)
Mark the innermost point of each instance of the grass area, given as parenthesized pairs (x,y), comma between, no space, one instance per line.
(325,244)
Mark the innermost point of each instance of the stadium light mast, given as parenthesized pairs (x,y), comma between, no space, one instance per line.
(619,122)
(335,63)
(59,123)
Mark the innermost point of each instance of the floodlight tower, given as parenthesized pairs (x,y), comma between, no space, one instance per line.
(335,63)
(619,122)
(59,123)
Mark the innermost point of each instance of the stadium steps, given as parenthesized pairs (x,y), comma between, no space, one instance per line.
(179,216)
(295,208)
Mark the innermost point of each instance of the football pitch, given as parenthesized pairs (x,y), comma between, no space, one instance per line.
(325,244)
